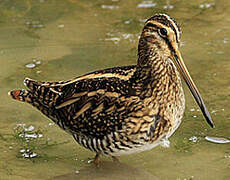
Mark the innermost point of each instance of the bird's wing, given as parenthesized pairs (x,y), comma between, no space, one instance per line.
(93,104)
(59,93)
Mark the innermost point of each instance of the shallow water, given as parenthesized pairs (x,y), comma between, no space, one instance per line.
(57,40)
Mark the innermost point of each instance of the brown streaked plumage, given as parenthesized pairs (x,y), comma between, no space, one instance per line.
(122,110)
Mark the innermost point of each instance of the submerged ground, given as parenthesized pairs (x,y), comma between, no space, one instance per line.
(57,40)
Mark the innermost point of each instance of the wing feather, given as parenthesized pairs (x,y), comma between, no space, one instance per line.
(63,93)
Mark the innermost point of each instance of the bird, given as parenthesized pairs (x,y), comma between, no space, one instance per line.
(125,109)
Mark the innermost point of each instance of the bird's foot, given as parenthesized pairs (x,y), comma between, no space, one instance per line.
(96,160)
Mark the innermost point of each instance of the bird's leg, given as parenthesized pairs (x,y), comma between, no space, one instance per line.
(115,159)
(96,159)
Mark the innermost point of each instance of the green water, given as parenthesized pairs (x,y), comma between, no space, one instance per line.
(67,38)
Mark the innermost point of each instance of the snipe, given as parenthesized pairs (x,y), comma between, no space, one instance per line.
(122,110)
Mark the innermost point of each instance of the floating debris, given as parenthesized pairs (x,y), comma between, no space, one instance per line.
(146,4)
(34,24)
(26,132)
(182,43)
(193,139)
(30,65)
(77,172)
(114,39)
(192,109)
(127,36)
(89,161)
(20,125)
(143,20)
(217,140)
(61,26)
(127,22)
(109,7)
(225,40)
(28,153)
(207,5)
(25,128)
(213,111)
(22,150)
(165,143)
(38,62)
(37,25)
(51,124)
(30,128)
(33,64)
(34,135)
(168,7)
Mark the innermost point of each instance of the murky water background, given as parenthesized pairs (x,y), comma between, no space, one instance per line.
(57,40)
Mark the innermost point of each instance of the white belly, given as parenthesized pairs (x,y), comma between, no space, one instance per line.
(138,149)
(135,150)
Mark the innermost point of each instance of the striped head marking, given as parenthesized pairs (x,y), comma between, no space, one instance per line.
(163,23)
(160,38)
(160,34)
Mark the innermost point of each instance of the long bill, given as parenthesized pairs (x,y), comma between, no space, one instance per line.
(185,74)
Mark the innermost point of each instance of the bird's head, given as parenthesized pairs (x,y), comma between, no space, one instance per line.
(160,39)
(161,34)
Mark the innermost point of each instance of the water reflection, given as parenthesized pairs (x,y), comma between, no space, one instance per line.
(108,170)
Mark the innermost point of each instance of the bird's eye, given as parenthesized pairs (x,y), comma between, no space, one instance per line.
(163,32)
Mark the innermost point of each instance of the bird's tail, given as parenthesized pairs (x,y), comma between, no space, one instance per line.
(22,95)
(26,96)
(46,92)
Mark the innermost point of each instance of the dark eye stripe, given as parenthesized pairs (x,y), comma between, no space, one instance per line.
(151,25)
(167,21)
